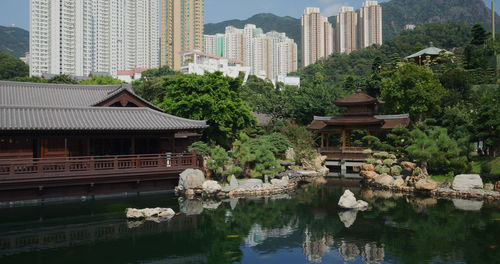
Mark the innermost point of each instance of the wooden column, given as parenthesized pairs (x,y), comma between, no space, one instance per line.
(322,139)
(132,146)
(327,140)
(343,140)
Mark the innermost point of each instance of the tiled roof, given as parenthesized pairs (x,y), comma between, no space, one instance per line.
(431,50)
(91,118)
(44,94)
(356,98)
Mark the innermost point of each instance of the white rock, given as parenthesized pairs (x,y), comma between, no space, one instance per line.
(133,213)
(233,182)
(211,187)
(290,154)
(191,179)
(466,182)
(251,184)
(279,183)
(348,201)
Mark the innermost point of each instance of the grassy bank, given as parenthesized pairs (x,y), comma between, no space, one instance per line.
(478,161)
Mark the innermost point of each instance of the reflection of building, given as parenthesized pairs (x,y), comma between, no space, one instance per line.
(198,62)
(181,29)
(348,251)
(317,36)
(258,235)
(315,248)
(372,254)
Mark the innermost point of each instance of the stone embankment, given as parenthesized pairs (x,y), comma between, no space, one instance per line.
(193,183)
(467,186)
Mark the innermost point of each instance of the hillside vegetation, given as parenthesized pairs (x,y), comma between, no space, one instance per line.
(14,41)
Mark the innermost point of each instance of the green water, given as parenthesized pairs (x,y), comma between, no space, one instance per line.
(306,227)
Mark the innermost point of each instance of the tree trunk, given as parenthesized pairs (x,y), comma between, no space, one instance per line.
(423,166)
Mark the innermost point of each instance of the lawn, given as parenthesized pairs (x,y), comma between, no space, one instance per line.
(494,162)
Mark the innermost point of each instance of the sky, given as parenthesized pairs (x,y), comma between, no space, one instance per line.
(17,11)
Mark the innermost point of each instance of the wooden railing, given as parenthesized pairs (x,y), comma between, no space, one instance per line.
(96,164)
(348,153)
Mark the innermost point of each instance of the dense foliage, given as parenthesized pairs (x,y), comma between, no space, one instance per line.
(11,67)
(211,97)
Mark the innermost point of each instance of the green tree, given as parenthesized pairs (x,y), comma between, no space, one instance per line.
(486,118)
(256,157)
(10,67)
(414,90)
(262,96)
(100,80)
(33,79)
(479,35)
(62,79)
(157,72)
(212,97)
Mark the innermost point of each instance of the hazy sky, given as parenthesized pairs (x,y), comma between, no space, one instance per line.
(17,11)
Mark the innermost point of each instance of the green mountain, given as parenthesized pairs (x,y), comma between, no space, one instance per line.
(398,13)
(14,41)
(268,22)
(395,14)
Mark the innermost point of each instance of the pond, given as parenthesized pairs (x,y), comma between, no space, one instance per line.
(306,227)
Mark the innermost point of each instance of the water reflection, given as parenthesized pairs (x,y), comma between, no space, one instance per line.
(307,227)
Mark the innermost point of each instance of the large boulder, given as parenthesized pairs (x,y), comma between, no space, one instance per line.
(467,182)
(408,165)
(146,213)
(211,187)
(279,183)
(426,184)
(399,182)
(318,162)
(348,201)
(191,179)
(384,179)
(497,186)
(367,167)
(369,174)
(251,184)
(233,182)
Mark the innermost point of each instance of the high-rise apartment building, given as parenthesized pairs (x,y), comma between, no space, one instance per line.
(346,30)
(269,55)
(370,24)
(77,37)
(181,29)
(317,36)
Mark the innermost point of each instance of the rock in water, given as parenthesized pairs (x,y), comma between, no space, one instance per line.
(369,174)
(426,184)
(399,182)
(489,186)
(211,187)
(348,201)
(467,182)
(147,213)
(191,179)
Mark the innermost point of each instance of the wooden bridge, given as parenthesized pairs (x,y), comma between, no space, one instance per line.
(17,174)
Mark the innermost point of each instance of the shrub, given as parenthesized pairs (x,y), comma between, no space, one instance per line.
(388,162)
(367,151)
(255,156)
(302,141)
(200,148)
(392,156)
(485,169)
(396,170)
(381,155)
(371,161)
(378,168)
(385,169)
(279,143)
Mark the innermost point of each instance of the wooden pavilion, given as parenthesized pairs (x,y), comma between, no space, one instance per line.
(361,114)
(60,135)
